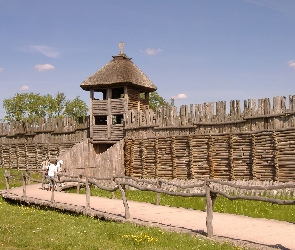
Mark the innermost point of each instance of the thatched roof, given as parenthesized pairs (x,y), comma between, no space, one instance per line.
(119,70)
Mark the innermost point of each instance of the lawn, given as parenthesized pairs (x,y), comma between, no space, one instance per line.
(32,228)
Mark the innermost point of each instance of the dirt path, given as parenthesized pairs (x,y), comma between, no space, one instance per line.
(243,230)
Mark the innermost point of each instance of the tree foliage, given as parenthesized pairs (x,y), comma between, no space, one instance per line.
(155,101)
(31,106)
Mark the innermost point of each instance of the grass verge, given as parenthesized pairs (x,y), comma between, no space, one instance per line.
(23,227)
(32,228)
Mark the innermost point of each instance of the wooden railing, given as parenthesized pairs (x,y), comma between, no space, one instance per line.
(208,188)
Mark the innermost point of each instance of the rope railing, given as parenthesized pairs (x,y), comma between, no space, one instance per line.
(208,188)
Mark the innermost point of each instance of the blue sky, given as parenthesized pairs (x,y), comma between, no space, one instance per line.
(193,50)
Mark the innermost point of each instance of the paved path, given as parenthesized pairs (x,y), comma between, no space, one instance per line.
(269,233)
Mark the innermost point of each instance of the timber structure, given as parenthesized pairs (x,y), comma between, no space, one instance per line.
(121,86)
(122,136)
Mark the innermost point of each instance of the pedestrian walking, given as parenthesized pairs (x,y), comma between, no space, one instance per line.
(52,171)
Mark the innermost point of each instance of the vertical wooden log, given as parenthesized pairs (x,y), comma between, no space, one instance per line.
(209,209)
(17,156)
(29,177)
(159,185)
(57,182)
(7,175)
(173,158)
(113,193)
(231,158)
(26,156)
(109,112)
(253,152)
(91,113)
(1,151)
(143,164)
(52,183)
(79,183)
(127,152)
(157,157)
(87,194)
(43,179)
(47,150)
(276,153)
(190,170)
(122,189)
(210,157)
(126,99)
(9,156)
(24,186)
(132,156)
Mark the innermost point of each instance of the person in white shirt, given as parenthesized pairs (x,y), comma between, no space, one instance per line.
(52,170)
(44,169)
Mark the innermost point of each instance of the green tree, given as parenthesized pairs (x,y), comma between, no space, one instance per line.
(55,105)
(30,106)
(15,107)
(75,108)
(155,101)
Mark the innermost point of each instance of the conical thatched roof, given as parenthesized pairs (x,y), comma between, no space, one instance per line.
(119,70)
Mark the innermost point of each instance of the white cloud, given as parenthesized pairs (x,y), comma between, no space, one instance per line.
(292,64)
(44,67)
(271,4)
(25,87)
(151,52)
(1,70)
(179,96)
(45,50)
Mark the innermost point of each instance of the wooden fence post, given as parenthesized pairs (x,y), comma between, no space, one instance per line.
(7,175)
(209,208)
(78,186)
(87,194)
(52,183)
(24,185)
(29,177)
(159,185)
(43,179)
(113,193)
(57,183)
(122,189)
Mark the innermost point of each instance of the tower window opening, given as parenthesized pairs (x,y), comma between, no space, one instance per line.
(100,95)
(117,119)
(100,120)
(117,93)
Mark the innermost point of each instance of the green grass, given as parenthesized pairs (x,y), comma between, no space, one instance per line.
(255,209)
(16,181)
(32,228)
(23,227)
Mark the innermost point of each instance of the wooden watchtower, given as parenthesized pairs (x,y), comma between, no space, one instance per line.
(115,88)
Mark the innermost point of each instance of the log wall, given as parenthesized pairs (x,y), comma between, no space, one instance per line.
(213,118)
(257,142)
(263,155)
(24,145)
(200,140)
